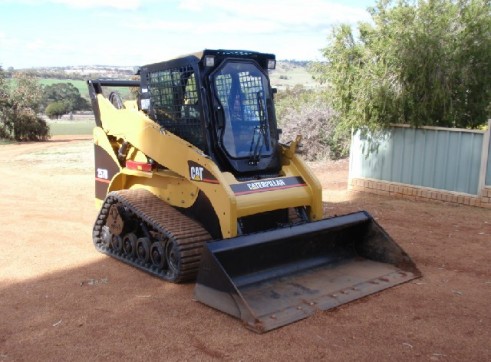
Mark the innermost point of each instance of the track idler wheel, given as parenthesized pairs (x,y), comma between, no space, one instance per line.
(157,254)
(129,244)
(117,243)
(143,249)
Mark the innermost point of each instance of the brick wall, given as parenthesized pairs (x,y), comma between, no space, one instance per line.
(419,193)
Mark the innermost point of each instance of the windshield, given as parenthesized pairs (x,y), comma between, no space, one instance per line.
(242,90)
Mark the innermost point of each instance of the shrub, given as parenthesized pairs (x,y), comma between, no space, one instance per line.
(316,122)
(56,109)
(416,62)
(18,110)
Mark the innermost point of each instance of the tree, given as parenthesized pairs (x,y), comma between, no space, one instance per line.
(18,109)
(3,101)
(56,109)
(65,93)
(419,63)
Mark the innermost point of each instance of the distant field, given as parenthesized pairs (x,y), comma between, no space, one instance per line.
(65,128)
(284,76)
(81,85)
(288,75)
(75,127)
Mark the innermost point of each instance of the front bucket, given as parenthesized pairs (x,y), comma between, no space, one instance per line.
(274,278)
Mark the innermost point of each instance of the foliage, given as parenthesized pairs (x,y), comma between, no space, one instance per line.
(56,109)
(306,113)
(79,84)
(4,97)
(291,99)
(65,98)
(18,109)
(419,63)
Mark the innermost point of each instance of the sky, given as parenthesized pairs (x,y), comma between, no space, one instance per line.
(50,33)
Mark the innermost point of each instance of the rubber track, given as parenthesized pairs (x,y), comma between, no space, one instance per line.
(163,218)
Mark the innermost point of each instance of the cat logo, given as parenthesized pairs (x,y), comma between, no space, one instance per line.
(196,173)
(201,174)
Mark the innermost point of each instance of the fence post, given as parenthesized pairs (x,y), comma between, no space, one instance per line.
(350,165)
(484,158)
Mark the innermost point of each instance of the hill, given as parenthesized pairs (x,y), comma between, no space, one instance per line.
(288,73)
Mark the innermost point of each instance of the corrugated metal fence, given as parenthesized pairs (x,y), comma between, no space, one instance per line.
(441,158)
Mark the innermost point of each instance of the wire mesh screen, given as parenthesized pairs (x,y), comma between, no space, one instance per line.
(174,103)
(243,104)
(223,84)
(241,89)
(251,87)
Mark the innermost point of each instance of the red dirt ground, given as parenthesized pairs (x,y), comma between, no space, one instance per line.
(62,300)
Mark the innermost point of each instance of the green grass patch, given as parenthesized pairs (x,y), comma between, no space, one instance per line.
(84,127)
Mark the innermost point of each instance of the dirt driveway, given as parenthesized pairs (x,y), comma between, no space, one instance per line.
(60,300)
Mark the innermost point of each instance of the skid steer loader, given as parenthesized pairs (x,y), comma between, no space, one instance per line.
(193,184)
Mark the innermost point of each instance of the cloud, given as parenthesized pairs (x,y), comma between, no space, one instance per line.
(224,26)
(216,17)
(36,44)
(6,40)
(115,4)
(292,12)
(85,4)
(292,29)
